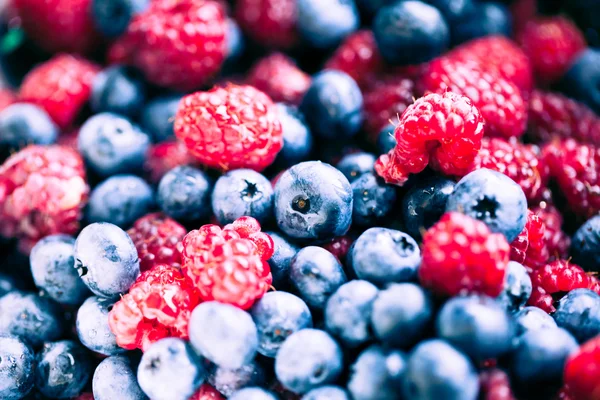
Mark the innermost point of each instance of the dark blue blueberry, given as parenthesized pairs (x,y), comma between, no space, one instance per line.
(184,193)
(348,312)
(313,200)
(373,200)
(281,259)
(401,314)
(386,141)
(8,283)
(307,359)
(327,392)
(410,32)
(229,381)
(377,375)
(158,115)
(32,318)
(517,287)
(223,334)
(333,104)
(53,270)
(111,144)
(63,369)
(22,124)
(118,90)
(532,318)
(170,370)
(436,370)
(106,259)
(252,393)
(579,313)
(92,326)
(297,138)
(425,203)
(17,366)
(355,165)
(277,315)
(115,378)
(493,198)
(316,274)
(453,10)
(111,17)
(585,245)
(582,81)
(242,192)
(324,23)
(486,18)
(477,325)
(120,200)
(382,255)
(235,43)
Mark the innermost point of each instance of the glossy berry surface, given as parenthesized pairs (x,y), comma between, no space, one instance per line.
(486,19)
(16,367)
(116,376)
(581,371)
(22,124)
(373,200)
(532,318)
(163,157)
(112,17)
(118,90)
(354,165)
(283,253)
(530,248)
(323,24)
(517,287)
(271,22)
(297,137)
(157,117)
(184,193)
(93,329)
(584,248)
(577,312)
(583,72)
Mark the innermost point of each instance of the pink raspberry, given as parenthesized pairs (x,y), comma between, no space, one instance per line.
(269,22)
(553,281)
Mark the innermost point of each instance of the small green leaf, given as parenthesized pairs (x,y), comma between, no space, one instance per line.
(11,40)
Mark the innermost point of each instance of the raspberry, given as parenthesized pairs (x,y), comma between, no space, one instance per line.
(554,115)
(444,127)
(498,100)
(157,239)
(582,371)
(7,97)
(461,255)
(557,242)
(69,139)
(163,157)
(61,86)
(230,264)
(179,44)
(530,248)
(551,282)
(158,305)
(552,44)
(207,392)
(229,128)
(279,78)
(42,192)
(495,385)
(594,283)
(339,247)
(270,22)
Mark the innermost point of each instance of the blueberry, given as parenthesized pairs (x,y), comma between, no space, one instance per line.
(297,138)
(111,144)
(277,315)
(22,124)
(119,90)
(223,334)
(229,381)
(32,318)
(579,313)
(517,287)
(382,255)
(585,245)
(313,200)
(17,366)
(111,17)
(582,80)
(252,393)
(316,274)
(281,259)
(485,19)
(324,23)
(493,198)
(115,378)
(92,326)
(532,318)
(348,312)
(106,259)
(377,374)
(333,104)
(8,283)
(453,10)
(425,203)
(242,192)
(63,369)
(158,115)
(184,193)
(401,314)
(307,359)
(170,370)
(386,141)
(373,200)
(355,165)
(327,392)
(235,44)
(410,32)
(120,200)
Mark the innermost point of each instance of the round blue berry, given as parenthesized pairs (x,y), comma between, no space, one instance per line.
(184,193)
(484,19)
(377,375)
(453,10)
(355,165)
(324,23)
(235,44)
(579,313)
(92,326)
(17,367)
(252,393)
(158,115)
(115,378)
(119,90)
(228,381)
(327,392)
(582,80)
(585,245)
(532,318)
(111,17)
(297,138)
(386,141)
(517,287)
(281,259)
(8,283)
(22,124)
(373,200)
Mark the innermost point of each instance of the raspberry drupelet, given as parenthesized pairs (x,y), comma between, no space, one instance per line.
(207,392)
(530,247)
(339,247)
(163,157)
(552,281)
(582,371)
(495,385)
(272,23)
(557,241)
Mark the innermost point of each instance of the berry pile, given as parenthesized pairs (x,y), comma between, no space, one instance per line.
(299,200)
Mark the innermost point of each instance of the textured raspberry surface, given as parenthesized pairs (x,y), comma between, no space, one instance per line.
(582,371)
(557,241)
(530,247)
(42,192)
(279,78)
(553,281)
(163,157)
(461,255)
(272,23)
(61,86)
(495,385)
(230,127)
(7,97)
(157,239)
(230,264)
(385,102)
(339,247)
(158,305)
(207,392)
(594,283)
(444,128)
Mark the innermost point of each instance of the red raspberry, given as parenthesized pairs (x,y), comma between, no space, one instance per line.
(522,11)
(498,100)
(85,396)
(230,264)
(270,22)
(158,305)
(444,127)
(61,86)
(554,115)
(42,192)
(529,248)
(163,157)
(279,78)
(179,44)
(157,239)
(594,283)
(339,247)
(557,241)
(7,97)
(551,282)
(461,255)
(231,127)
(552,44)
(59,25)
(582,371)
(207,392)
(495,385)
